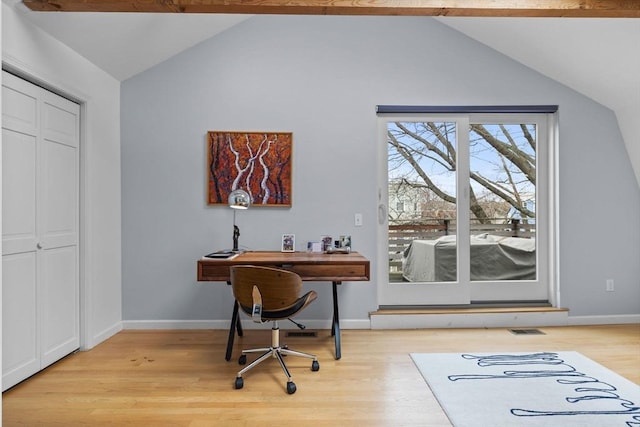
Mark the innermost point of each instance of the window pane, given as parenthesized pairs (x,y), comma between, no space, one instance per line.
(502,201)
(422,187)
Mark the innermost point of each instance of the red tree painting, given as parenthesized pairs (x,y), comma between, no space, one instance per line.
(257,162)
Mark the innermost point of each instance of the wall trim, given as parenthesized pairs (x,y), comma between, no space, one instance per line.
(102,336)
(390,322)
(604,320)
(246,324)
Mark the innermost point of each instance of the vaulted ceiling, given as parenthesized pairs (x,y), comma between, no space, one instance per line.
(591,52)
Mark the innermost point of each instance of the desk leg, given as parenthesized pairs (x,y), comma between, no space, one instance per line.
(235,324)
(335,328)
(238,322)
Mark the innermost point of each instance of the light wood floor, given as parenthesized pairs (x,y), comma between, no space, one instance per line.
(180,378)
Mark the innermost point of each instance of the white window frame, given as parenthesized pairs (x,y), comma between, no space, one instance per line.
(464,291)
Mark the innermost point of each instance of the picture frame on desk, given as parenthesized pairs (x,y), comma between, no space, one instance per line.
(288,243)
(315,247)
(327,242)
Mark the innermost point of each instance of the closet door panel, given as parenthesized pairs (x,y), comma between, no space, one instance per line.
(58,213)
(60,303)
(20,348)
(19,105)
(19,232)
(59,206)
(60,120)
(20,133)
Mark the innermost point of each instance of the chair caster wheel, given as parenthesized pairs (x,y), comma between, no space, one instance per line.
(291,387)
(242,360)
(239,383)
(315,366)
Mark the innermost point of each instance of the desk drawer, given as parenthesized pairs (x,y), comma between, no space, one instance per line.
(330,272)
(213,272)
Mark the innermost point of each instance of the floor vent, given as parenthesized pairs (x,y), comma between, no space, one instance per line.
(310,334)
(526,332)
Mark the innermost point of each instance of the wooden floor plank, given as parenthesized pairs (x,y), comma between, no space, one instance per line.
(180,377)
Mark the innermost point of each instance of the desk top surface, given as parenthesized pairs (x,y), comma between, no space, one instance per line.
(310,265)
(268,257)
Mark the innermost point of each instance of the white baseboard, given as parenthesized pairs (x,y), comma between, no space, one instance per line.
(413,321)
(102,336)
(616,319)
(176,324)
(246,324)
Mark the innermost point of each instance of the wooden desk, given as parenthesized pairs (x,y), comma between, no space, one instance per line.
(317,267)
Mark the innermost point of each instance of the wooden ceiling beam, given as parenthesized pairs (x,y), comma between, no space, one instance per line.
(477,8)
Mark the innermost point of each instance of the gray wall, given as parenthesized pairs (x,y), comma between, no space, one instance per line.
(321,77)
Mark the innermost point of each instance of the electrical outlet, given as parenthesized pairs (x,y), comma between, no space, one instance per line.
(610,287)
(357,220)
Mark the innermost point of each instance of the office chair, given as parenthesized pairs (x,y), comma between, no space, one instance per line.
(268,295)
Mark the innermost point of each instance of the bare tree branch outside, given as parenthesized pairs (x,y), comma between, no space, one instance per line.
(422,171)
(422,156)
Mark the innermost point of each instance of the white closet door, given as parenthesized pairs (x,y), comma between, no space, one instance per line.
(58,225)
(20,133)
(40,282)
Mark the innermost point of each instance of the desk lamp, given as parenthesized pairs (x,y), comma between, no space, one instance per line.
(238,199)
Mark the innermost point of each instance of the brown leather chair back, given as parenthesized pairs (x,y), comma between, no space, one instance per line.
(280,290)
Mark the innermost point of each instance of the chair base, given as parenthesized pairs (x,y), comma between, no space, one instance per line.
(274,351)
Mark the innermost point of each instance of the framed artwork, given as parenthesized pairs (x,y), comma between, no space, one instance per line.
(288,243)
(257,162)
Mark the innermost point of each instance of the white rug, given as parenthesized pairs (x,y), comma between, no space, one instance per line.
(529,389)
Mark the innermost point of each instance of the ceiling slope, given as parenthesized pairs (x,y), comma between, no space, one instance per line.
(594,56)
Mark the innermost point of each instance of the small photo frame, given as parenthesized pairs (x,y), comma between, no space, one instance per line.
(327,242)
(314,247)
(288,243)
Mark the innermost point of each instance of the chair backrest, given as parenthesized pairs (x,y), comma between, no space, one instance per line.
(279,289)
